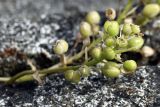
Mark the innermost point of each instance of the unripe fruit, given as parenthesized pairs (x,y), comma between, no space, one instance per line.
(151,10)
(106,25)
(95,29)
(110,64)
(136,43)
(109,42)
(108,54)
(69,75)
(96,53)
(130,65)
(85,71)
(76,77)
(127,29)
(93,17)
(60,47)
(72,76)
(85,29)
(112,28)
(135,29)
(122,43)
(111,72)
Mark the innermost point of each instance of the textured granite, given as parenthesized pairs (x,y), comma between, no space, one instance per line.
(139,90)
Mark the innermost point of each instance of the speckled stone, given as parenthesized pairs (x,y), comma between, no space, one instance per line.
(139,90)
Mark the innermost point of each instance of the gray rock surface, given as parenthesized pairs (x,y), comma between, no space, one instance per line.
(33,8)
(139,90)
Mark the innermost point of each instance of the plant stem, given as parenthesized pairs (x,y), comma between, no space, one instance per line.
(27,78)
(124,50)
(92,62)
(80,54)
(63,59)
(125,11)
(52,70)
(86,54)
(4,79)
(58,68)
(44,72)
(27,75)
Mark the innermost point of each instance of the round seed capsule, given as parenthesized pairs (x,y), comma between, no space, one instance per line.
(76,77)
(112,28)
(109,42)
(110,64)
(135,29)
(85,29)
(60,47)
(108,54)
(93,17)
(106,25)
(95,29)
(127,29)
(130,65)
(111,72)
(136,43)
(151,10)
(85,72)
(96,53)
(69,75)
(122,43)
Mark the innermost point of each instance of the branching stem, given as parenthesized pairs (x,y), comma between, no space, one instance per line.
(125,11)
(58,68)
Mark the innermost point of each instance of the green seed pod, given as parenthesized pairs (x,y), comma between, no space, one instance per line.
(109,42)
(111,72)
(85,71)
(113,29)
(96,53)
(108,54)
(85,29)
(122,43)
(136,43)
(95,29)
(151,10)
(130,65)
(110,64)
(69,75)
(127,29)
(93,17)
(135,29)
(106,25)
(60,47)
(76,77)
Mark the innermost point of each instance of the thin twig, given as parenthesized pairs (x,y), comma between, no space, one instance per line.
(45,72)
(125,11)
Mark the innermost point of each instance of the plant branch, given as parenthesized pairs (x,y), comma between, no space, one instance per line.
(4,79)
(125,11)
(124,50)
(80,54)
(44,72)
(58,67)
